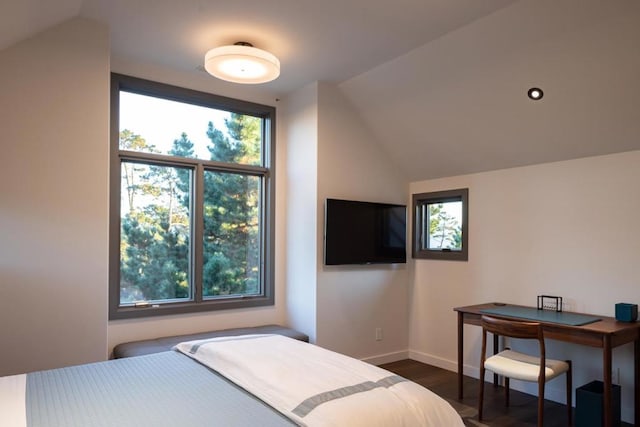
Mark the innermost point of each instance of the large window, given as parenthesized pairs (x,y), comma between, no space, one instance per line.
(192,201)
(440,229)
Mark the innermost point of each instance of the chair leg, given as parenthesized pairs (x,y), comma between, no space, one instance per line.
(506,391)
(569,393)
(481,394)
(540,403)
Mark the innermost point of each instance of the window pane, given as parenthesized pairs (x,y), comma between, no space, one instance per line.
(195,175)
(231,244)
(187,130)
(155,223)
(444,221)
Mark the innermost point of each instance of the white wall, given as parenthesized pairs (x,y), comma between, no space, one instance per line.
(54,205)
(301,136)
(567,228)
(355,300)
(330,154)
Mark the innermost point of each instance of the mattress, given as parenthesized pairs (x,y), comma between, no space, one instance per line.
(161,389)
(248,380)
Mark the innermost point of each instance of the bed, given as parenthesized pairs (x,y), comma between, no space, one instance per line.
(249,380)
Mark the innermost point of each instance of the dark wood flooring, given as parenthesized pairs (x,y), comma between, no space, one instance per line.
(522,411)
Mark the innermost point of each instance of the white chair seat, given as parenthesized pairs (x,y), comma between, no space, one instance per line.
(524,367)
(512,364)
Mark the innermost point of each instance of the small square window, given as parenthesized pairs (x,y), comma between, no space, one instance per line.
(440,229)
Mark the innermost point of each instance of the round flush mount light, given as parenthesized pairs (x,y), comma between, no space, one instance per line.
(535,93)
(242,63)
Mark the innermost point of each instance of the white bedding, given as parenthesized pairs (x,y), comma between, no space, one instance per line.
(317,387)
(12,398)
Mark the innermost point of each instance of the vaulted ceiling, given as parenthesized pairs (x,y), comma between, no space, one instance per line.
(441,85)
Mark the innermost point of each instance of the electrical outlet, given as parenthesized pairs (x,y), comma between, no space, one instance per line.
(378,334)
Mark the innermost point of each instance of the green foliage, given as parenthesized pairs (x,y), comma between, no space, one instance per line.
(155,263)
(155,225)
(231,212)
(445,231)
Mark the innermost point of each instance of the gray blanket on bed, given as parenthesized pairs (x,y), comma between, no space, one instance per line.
(163,389)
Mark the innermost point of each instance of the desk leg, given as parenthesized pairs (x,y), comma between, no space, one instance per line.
(606,375)
(636,382)
(495,351)
(460,352)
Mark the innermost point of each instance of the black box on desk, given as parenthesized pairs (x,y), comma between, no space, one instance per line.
(590,404)
(626,312)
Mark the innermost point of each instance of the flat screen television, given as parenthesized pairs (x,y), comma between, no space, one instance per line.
(364,232)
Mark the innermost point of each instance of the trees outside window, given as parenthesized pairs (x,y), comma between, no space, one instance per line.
(191,201)
(440,229)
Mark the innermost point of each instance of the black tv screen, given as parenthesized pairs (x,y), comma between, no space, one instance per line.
(364,232)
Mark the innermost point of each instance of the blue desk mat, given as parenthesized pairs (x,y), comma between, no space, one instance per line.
(530,313)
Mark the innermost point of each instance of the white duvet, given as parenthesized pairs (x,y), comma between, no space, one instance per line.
(13,412)
(317,387)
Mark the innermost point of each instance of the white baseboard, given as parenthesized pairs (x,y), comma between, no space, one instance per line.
(438,362)
(387,358)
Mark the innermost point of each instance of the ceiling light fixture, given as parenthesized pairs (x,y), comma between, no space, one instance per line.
(535,93)
(242,63)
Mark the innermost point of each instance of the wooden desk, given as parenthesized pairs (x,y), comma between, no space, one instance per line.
(605,334)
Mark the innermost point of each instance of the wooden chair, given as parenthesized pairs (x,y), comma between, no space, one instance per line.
(512,364)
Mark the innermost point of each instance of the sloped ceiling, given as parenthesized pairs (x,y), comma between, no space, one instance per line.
(20,19)
(458,105)
(328,40)
(440,84)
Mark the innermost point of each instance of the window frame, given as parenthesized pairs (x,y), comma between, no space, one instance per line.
(422,199)
(266,171)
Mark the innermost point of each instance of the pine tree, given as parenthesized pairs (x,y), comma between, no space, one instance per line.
(231,211)
(154,261)
(155,236)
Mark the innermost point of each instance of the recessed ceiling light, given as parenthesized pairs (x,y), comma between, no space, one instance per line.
(242,63)
(535,93)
